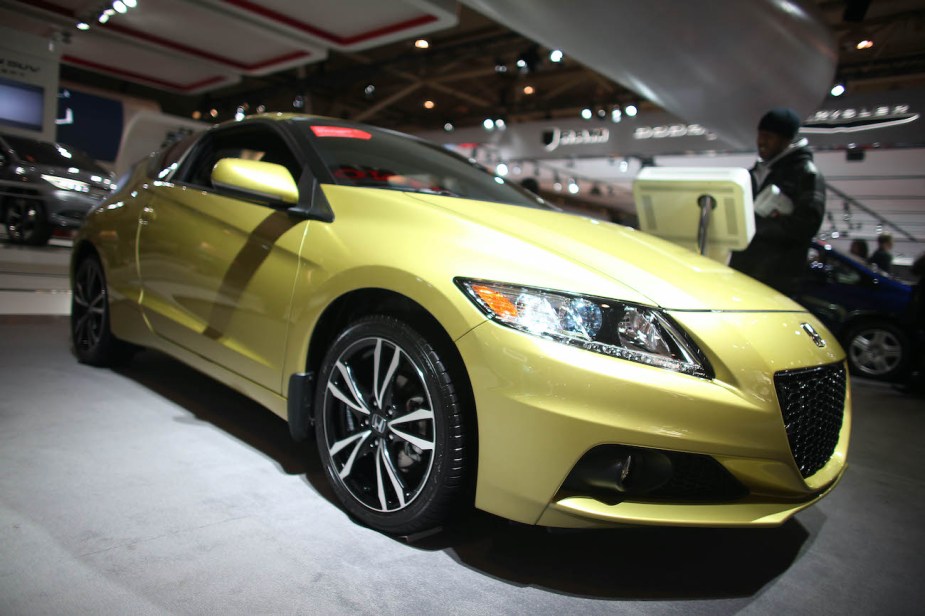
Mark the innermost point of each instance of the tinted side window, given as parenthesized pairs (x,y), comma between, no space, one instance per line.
(254,142)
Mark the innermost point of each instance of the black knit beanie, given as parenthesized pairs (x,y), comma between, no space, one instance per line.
(781,121)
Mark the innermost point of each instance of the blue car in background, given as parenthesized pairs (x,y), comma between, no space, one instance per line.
(866,309)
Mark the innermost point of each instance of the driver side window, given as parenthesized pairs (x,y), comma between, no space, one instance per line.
(255,142)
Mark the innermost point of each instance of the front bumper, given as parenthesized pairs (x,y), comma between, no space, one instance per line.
(542,406)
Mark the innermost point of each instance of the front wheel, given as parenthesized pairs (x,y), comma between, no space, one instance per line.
(390,427)
(877,350)
(25,221)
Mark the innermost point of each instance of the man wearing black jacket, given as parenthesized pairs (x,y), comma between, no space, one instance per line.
(789,203)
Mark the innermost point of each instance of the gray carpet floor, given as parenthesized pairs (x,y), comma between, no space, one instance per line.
(153,490)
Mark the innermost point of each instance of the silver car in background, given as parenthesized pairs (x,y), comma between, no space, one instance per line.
(46,188)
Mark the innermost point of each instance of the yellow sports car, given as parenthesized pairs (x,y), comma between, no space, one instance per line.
(452,340)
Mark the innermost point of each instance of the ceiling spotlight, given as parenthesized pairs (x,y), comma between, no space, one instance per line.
(865,44)
(631,110)
(448,127)
(429,104)
(500,66)
(601,113)
(489,124)
(573,186)
(422,43)
(103,18)
(82,25)
(616,115)
(239,114)
(837,90)
(501,169)
(624,165)
(369,91)
(556,55)
(130,3)
(119,7)
(261,108)
(299,101)
(213,112)
(586,113)
(528,90)
(197,114)
(500,124)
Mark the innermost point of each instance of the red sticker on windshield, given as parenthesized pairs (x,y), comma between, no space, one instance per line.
(343,132)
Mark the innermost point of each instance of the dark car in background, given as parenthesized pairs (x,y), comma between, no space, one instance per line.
(46,187)
(867,310)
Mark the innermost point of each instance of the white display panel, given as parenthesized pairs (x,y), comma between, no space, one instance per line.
(667,204)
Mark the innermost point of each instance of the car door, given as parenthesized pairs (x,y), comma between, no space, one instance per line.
(217,269)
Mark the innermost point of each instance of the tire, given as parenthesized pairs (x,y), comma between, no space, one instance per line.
(93,341)
(390,427)
(26,222)
(877,350)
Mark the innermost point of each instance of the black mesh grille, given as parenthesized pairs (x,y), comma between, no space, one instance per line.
(697,478)
(812,402)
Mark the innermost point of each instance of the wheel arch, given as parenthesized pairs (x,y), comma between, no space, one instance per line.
(359,303)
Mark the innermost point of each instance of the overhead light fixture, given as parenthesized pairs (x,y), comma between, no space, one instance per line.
(631,110)
(196,114)
(369,91)
(104,17)
(82,25)
(500,66)
(500,124)
(573,186)
(528,90)
(429,104)
(422,43)
(501,169)
(213,112)
(556,56)
(299,101)
(616,115)
(838,89)
(601,113)
(528,60)
(120,7)
(130,3)
(489,124)
(448,127)
(586,113)
(865,44)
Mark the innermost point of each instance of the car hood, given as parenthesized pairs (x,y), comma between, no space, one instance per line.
(609,260)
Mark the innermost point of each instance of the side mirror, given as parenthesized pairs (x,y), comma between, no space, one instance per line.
(256,180)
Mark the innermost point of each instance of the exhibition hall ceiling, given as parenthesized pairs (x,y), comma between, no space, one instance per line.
(357,58)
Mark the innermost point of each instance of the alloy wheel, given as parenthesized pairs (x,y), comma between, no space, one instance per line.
(379,428)
(875,352)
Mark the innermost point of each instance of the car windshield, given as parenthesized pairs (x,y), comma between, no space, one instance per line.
(55,154)
(381,159)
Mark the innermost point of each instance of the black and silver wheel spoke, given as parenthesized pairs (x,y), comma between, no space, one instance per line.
(355,399)
(380,392)
(424,415)
(384,461)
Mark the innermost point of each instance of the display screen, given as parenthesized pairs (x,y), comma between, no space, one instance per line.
(22,105)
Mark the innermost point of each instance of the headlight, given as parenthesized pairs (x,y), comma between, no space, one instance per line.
(628,331)
(66,183)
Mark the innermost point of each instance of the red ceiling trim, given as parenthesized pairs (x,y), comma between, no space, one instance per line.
(330,36)
(163,42)
(153,38)
(143,78)
(49,6)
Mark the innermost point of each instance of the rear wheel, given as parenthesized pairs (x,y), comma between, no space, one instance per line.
(26,222)
(877,350)
(390,427)
(90,330)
